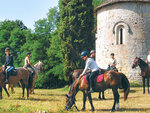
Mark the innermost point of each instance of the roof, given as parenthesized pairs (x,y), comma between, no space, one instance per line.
(111,2)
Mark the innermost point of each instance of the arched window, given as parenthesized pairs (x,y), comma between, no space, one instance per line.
(119,30)
(119,35)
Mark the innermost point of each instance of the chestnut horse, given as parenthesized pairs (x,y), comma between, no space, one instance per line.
(22,76)
(111,80)
(76,73)
(145,71)
(39,67)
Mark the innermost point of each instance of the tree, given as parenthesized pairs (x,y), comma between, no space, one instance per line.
(12,34)
(76,25)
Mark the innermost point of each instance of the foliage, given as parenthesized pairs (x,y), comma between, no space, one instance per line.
(98,2)
(57,40)
(76,25)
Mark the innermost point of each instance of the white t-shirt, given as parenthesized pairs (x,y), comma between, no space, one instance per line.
(26,61)
(112,61)
(91,65)
(148,58)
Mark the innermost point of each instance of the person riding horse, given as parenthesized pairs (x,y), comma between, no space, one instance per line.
(92,54)
(112,63)
(28,65)
(92,66)
(8,66)
(148,59)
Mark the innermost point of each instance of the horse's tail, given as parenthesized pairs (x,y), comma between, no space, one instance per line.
(125,85)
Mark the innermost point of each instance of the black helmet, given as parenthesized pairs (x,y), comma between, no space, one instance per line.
(84,53)
(7,49)
(28,53)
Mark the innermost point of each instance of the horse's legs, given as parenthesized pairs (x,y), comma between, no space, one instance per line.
(84,100)
(116,95)
(23,87)
(12,89)
(99,95)
(6,90)
(103,95)
(90,100)
(143,85)
(148,84)
(27,92)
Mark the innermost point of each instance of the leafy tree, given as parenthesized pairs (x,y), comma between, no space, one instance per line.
(76,25)
(11,35)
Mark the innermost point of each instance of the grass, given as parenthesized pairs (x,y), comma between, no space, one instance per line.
(53,101)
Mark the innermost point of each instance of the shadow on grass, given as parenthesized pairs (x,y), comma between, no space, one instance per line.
(36,99)
(52,94)
(127,109)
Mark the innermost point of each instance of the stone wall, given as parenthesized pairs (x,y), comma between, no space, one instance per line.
(134,18)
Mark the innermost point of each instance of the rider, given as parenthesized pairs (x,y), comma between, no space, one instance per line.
(112,62)
(8,66)
(92,52)
(92,66)
(148,59)
(28,64)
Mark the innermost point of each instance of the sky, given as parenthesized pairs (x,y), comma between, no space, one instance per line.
(28,11)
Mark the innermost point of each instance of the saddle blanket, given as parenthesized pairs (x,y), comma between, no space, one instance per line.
(98,79)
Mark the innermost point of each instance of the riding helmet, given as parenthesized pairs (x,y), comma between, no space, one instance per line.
(92,51)
(28,53)
(84,53)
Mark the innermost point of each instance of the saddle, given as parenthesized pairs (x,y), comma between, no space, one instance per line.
(13,72)
(99,78)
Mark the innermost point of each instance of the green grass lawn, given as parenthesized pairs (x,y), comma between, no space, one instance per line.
(53,101)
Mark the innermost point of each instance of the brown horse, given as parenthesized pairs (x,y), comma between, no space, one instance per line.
(145,71)
(111,80)
(76,73)
(39,67)
(22,76)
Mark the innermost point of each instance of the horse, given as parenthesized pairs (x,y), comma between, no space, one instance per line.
(39,67)
(76,73)
(145,71)
(22,75)
(111,80)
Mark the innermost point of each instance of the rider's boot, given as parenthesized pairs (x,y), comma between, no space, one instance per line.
(6,81)
(91,87)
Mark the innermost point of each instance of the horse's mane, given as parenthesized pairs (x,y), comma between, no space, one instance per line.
(71,87)
(143,63)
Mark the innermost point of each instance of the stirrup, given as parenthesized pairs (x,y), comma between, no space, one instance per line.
(91,91)
(6,81)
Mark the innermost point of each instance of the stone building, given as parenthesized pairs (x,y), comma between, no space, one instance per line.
(123,27)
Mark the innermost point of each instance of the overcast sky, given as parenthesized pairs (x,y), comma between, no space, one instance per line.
(28,11)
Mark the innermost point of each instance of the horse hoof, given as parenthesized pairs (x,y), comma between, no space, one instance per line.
(100,99)
(112,110)
(93,109)
(82,109)
(27,98)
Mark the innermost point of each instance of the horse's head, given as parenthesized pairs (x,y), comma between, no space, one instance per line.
(40,66)
(136,62)
(70,101)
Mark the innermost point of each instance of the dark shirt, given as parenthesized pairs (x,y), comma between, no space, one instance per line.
(9,60)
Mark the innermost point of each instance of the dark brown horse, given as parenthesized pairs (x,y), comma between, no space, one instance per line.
(111,80)
(76,73)
(145,71)
(22,76)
